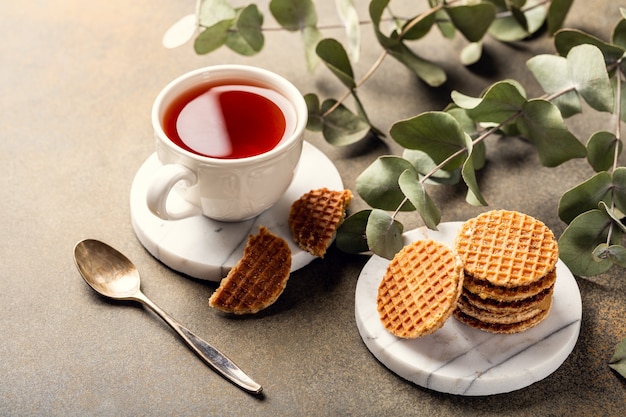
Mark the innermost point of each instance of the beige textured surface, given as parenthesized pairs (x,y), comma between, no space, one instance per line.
(78,80)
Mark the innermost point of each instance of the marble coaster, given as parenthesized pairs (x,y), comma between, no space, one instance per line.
(458,359)
(206,249)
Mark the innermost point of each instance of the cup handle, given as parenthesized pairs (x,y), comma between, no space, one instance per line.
(165,179)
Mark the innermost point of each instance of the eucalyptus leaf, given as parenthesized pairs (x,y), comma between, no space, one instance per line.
(618,360)
(519,17)
(436,133)
(425,165)
(580,239)
(585,196)
(419,26)
(474,196)
(248,37)
(614,253)
(384,234)
(543,124)
(211,12)
(350,18)
(378,184)
(430,73)
(556,14)
(500,103)
(566,39)
(447,29)
(587,70)
(471,53)
(472,20)
(340,126)
(508,29)
(311,36)
(294,15)
(551,72)
(613,214)
(351,234)
(212,38)
(601,149)
(619,188)
(336,59)
(414,190)
(618,37)
(315,120)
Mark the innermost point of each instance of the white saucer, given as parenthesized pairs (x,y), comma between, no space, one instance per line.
(458,359)
(206,249)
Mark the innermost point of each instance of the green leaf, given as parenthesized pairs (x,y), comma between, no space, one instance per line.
(585,196)
(474,197)
(501,102)
(438,134)
(472,53)
(211,12)
(248,38)
(619,188)
(315,121)
(212,37)
(425,165)
(618,360)
(378,184)
(543,124)
(581,237)
(428,72)
(419,25)
(473,20)
(601,149)
(552,74)
(342,127)
(614,253)
(414,190)
(294,15)
(384,234)
(613,214)
(587,70)
(311,36)
(556,14)
(336,59)
(566,39)
(447,29)
(618,37)
(348,14)
(351,235)
(507,28)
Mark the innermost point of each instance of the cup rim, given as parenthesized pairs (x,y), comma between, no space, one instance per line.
(272,79)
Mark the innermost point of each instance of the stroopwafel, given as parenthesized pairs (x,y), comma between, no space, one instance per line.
(258,279)
(315,217)
(420,289)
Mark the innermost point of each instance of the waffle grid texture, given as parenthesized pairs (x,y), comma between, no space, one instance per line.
(315,217)
(420,289)
(506,248)
(259,277)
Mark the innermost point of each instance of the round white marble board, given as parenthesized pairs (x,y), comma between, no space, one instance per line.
(207,249)
(458,359)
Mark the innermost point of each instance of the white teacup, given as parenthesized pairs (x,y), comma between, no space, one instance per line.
(223,187)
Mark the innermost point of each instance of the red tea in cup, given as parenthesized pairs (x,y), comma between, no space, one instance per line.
(229,120)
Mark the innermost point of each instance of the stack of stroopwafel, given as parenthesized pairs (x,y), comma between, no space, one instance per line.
(315,217)
(509,260)
(420,289)
(259,277)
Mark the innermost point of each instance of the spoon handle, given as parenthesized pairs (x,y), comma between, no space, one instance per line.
(213,357)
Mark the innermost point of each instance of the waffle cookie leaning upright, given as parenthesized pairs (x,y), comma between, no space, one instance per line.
(315,217)
(420,289)
(258,279)
(509,260)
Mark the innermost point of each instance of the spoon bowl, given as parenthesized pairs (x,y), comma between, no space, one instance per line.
(113,275)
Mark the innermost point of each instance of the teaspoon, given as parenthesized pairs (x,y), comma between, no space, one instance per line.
(113,275)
